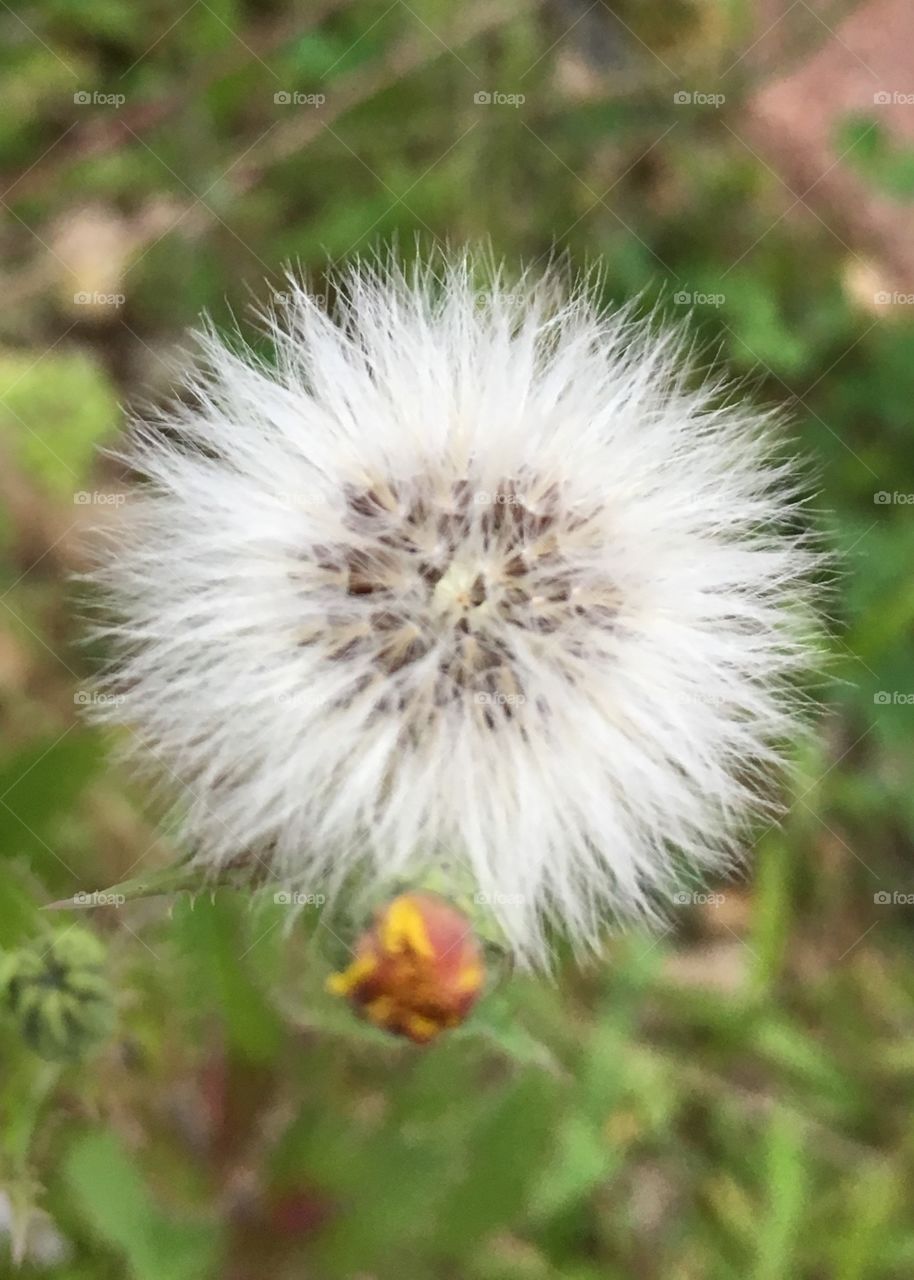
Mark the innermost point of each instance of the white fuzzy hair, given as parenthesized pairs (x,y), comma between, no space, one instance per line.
(471,578)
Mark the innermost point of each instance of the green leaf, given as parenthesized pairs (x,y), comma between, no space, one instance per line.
(211,932)
(862,1237)
(786,1184)
(504,1161)
(111,1195)
(495,1023)
(165,881)
(54,410)
(869,148)
(39,787)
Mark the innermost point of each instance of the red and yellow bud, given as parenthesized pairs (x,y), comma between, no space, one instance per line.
(417,971)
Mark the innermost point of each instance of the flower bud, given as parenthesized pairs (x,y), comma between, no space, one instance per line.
(58,995)
(417,971)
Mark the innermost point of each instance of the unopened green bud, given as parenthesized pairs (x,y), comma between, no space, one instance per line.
(57,993)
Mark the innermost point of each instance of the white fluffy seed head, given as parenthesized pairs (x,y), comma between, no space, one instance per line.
(476,580)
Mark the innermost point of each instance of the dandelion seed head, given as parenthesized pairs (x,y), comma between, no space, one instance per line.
(501,586)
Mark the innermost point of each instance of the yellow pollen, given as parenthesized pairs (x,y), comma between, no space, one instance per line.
(343,984)
(404,929)
(421,1028)
(469,979)
(379,1011)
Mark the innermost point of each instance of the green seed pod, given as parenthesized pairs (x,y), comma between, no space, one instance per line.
(57,993)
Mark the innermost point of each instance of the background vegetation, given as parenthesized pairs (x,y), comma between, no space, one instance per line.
(728,1101)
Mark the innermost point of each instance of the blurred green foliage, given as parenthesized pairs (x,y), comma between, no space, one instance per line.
(727,1101)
